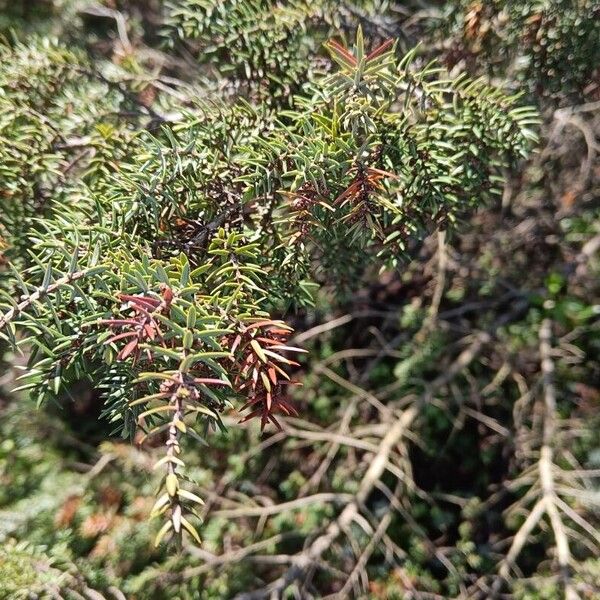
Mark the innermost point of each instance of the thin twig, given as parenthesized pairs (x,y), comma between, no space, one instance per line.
(43,291)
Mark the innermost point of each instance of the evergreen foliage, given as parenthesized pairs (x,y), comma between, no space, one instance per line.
(549,47)
(183,184)
(155,279)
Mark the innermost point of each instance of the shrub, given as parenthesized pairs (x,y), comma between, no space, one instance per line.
(163,255)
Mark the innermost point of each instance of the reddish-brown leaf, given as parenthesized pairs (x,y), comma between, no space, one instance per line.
(272,375)
(342,53)
(127,350)
(350,191)
(381,173)
(143,301)
(260,324)
(120,336)
(380,50)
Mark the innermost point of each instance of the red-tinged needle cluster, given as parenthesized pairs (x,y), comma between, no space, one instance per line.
(259,352)
(367,180)
(348,60)
(261,375)
(358,194)
(141,326)
(301,204)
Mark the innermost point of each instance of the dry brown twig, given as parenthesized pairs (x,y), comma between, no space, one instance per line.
(312,555)
(545,488)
